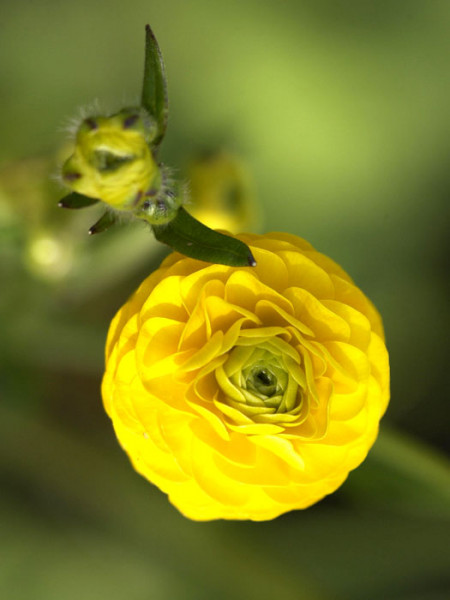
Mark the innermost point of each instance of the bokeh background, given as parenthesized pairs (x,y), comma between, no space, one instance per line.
(339,113)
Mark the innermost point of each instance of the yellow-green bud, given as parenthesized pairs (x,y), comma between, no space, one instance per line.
(160,209)
(112,160)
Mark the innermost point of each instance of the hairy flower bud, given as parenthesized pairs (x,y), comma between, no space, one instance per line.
(112,160)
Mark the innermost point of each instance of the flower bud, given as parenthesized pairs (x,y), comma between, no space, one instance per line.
(112,160)
(159,210)
(222,195)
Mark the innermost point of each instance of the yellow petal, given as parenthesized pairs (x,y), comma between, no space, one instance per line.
(304,273)
(281,448)
(214,482)
(244,289)
(348,293)
(269,312)
(359,326)
(320,320)
(203,356)
(165,301)
(227,387)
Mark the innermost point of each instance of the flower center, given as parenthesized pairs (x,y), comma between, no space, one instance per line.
(258,382)
(266,378)
(262,381)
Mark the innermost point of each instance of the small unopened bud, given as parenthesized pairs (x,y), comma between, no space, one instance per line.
(159,210)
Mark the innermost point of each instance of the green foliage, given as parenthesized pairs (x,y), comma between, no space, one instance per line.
(188,236)
(154,88)
(75,200)
(106,221)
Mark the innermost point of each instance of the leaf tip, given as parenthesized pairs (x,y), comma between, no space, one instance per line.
(149,33)
(95,229)
(251,261)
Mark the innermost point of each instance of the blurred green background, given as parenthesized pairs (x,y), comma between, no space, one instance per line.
(340,111)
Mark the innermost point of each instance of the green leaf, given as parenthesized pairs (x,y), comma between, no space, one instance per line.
(105,222)
(154,90)
(75,200)
(190,237)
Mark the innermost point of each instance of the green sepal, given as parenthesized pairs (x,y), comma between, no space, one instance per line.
(105,222)
(190,237)
(154,90)
(75,200)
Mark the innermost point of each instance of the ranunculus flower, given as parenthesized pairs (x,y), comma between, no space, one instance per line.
(244,393)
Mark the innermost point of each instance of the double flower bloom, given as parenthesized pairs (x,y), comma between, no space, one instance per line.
(245,393)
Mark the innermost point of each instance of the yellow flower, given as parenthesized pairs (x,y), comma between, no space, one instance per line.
(245,393)
(112,160)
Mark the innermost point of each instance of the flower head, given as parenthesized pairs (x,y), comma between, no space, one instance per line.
(245,393)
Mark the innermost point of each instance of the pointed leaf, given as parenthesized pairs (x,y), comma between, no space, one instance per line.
(154,90)
(75,200)
(105,222)
(190,237)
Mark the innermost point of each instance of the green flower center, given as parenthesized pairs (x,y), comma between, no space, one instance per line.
(264,376)
(260,382)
